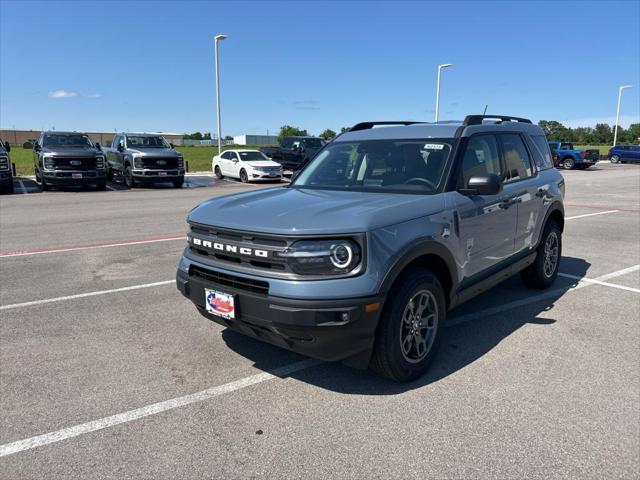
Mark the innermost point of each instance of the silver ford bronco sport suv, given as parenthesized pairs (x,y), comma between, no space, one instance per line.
(385,230)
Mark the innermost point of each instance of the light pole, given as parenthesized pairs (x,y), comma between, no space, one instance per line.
(217,39)
(615,130)
(440,67)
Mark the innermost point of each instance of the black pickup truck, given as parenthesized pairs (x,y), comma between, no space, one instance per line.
(294,152)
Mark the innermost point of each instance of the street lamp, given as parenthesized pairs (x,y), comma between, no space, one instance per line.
(218,38)
(615,130)
(440,67)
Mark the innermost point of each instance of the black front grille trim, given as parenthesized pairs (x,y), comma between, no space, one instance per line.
(64,163)
(233,281)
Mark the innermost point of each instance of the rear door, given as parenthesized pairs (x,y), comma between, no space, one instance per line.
(634,153)
(522,188)
(486,223)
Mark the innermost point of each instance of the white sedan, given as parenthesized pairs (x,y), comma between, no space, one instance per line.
(247,165)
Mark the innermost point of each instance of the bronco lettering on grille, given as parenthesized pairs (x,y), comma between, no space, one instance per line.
(222,247)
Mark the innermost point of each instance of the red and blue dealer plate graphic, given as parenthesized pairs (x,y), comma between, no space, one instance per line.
(221,304)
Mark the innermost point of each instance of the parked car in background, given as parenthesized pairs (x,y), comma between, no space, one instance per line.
(380,235)
(571,158)
(6,172)
(294,152)
(624,154)
(247,165)
(144,158)
(63,159)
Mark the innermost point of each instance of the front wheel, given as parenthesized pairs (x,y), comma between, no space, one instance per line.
(410,328)
(543,271)
(218,173)
(101,186)
(129,181)
(615,159)
(45,186)
(244,178)
(178,183)
(568,163)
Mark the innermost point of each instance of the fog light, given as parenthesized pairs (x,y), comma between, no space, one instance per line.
(344,316)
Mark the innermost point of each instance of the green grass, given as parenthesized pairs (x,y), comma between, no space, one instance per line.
(199,158)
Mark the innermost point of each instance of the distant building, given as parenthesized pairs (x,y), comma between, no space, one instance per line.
(255,140)
(18,137)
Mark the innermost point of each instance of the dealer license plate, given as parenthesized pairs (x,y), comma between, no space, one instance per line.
(219,303)
(76,176)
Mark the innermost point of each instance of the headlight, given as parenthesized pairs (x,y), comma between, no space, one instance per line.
(180,162)
(323,257)
(4,163)
(48,163)
(100,162)
(137,162)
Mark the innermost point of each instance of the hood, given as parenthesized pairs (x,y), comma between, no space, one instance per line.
(262,163)
(311,212)
(71,152)
(155,152)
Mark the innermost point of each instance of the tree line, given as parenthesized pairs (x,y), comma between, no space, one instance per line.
(601,134)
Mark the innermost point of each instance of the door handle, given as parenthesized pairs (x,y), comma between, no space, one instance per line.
(507,202)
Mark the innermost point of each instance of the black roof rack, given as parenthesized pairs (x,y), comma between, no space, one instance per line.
(477,119)
(368,125)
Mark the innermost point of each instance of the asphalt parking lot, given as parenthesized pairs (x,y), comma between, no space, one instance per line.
(107,371)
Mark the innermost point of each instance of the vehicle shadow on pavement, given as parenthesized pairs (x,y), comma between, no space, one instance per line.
(462,344)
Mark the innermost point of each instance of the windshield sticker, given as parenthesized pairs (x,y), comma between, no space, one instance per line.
(434,146)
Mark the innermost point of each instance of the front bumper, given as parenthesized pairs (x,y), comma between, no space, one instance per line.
(329,330)
(66,177)
(255,176)
(156,175)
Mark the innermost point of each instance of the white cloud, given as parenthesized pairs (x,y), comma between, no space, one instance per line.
(62,94)
(91,95)
(625,121)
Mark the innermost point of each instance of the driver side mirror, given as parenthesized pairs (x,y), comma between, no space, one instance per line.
(482,184)
(7,147)
(171,145)
(36,146)
(120,147)
(98,146)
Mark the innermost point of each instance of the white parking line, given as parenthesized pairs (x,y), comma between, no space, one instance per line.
(598,282)
(84,295)
(22,187)
(591,214)
(583,282)
(148,410)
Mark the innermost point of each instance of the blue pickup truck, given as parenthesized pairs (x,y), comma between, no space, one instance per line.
(570,158)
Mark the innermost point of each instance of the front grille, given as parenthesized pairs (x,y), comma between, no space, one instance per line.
(74,163)
(159,163)
(252,241)
(226,280)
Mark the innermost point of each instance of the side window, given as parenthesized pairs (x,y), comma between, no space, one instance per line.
(541,153)
(566,146)
(225,155)
(480,157)
(516,157)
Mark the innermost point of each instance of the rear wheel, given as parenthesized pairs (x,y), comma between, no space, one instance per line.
(218,173)
(568,163)
(410,328)
(244,178)
(543,272)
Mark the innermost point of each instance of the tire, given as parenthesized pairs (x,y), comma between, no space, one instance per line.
(129,181)
(615,159)
(539,274)
(244,178)
(218,173)
(101,186)
(396,354)
(568,163)
(178,183)
(45,186)
(109,174)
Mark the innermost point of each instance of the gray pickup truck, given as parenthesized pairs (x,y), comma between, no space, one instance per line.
(144,158)
(6,174)
(66,159)
(384,230)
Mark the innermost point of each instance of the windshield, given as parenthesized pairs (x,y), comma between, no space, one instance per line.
(253,156)
(313,143)
(74,140)
(146,142)
(401,166)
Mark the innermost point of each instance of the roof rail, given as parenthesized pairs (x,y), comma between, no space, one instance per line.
(368,125)
(477,119)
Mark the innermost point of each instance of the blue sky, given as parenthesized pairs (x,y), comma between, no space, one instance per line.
(149,65)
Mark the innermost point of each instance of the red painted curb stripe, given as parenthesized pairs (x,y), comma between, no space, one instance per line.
(73,248)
